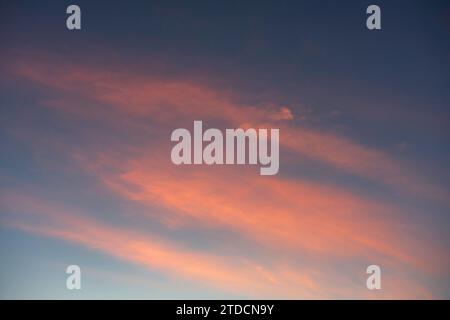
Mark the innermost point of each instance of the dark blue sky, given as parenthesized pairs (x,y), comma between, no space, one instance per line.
(370,130)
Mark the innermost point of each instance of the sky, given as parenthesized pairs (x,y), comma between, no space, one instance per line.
(86,176)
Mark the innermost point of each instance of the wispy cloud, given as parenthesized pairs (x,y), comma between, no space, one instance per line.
(172,102)
(320,222)
(237,275)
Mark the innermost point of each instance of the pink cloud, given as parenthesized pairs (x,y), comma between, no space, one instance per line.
(231,274)
(118,95)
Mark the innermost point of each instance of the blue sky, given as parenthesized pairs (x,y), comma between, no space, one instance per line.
(85,167)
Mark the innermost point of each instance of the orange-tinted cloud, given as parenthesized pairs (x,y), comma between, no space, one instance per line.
(284,214)
(236,275)
(293,216)
(120,95)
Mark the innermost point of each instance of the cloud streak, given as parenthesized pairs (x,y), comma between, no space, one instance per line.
(237,275)
(284,215)
(173,102)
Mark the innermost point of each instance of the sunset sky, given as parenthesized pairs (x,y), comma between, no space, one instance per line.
(86,176)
